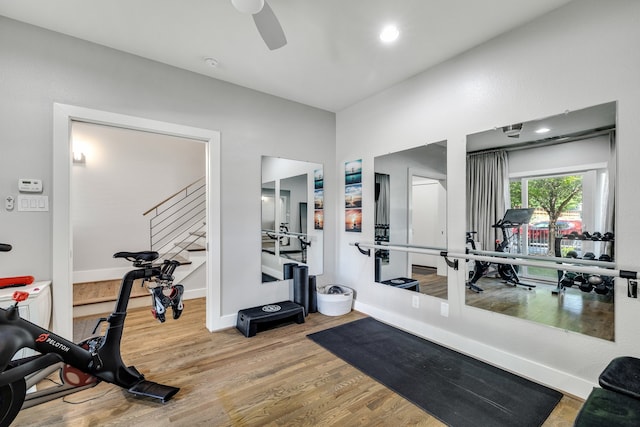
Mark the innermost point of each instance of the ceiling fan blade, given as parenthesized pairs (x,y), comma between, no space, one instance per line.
(269,28)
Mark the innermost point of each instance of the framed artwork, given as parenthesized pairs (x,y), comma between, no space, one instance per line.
(318,199)
(353,220)
(353,196)
(318,219)
(353,172)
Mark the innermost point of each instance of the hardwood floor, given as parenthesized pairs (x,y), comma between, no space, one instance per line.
(430,282)
(278,377)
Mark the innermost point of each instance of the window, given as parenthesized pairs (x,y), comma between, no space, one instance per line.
(558,212)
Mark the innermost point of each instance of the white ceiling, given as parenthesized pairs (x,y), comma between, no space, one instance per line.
(333,58)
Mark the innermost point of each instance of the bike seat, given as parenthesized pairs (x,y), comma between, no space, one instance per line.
(138,256)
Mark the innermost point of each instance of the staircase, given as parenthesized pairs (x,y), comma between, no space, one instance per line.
(177,228)
(177,224)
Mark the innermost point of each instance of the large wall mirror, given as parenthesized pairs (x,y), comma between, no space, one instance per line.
(544,188)
(410,196)
(289,233)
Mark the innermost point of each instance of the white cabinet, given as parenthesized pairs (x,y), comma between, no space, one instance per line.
(36,309)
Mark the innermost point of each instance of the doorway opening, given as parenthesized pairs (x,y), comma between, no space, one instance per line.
(134,190)
(62,236)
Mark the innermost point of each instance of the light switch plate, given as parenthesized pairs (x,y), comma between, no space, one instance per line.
(33,203)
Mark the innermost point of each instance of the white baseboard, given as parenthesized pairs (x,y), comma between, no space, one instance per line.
(84,276)
(561,381)
(228,321)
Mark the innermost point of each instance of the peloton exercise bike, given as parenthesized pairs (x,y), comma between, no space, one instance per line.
(95,359)
(513,219)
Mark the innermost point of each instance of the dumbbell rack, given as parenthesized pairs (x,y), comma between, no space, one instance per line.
(558,247)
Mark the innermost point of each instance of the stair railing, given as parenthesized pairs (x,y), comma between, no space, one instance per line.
(178,221)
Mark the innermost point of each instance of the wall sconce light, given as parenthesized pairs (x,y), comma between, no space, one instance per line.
(79,158)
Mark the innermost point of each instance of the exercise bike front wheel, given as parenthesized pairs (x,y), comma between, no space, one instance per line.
(11,400)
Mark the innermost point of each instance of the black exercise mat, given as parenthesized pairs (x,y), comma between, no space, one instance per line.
(456,389)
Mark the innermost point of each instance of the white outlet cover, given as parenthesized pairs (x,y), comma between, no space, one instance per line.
(444,309)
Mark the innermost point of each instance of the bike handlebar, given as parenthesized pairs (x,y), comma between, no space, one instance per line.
(5,247)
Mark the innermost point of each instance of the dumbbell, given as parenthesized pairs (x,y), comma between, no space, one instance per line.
(583,283)
(604,257)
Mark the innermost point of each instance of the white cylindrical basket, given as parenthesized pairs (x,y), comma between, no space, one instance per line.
(334,304)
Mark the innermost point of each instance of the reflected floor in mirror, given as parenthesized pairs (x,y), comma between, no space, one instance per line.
(573,310)
(430,283)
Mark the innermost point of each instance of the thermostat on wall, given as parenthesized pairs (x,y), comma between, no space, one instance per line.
(30,185)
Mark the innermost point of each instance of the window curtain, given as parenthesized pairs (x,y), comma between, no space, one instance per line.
(382,199)
(487,194)
(611,205)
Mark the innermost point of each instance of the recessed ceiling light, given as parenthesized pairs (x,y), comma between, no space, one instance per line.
(542,130)
(389,34)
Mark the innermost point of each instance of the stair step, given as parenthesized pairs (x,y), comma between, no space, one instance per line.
(190,246)
(103,291)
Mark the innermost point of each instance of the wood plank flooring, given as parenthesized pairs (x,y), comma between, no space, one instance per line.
(430,282)
(276,378)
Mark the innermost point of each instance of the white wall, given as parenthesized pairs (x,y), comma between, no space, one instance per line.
(580,55)
(38,68)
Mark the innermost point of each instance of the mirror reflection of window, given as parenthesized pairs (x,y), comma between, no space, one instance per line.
(383,206)
(561,170)
(410,210)
(286,238)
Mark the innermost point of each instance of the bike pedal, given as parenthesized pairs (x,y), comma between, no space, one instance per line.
(158,316)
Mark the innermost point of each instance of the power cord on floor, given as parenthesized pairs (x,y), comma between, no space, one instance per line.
(64,399)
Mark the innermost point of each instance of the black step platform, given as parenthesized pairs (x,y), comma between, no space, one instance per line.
(252,320)
(154,390)
(403,283)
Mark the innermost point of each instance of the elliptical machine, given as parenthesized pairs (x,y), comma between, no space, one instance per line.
(513,219)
